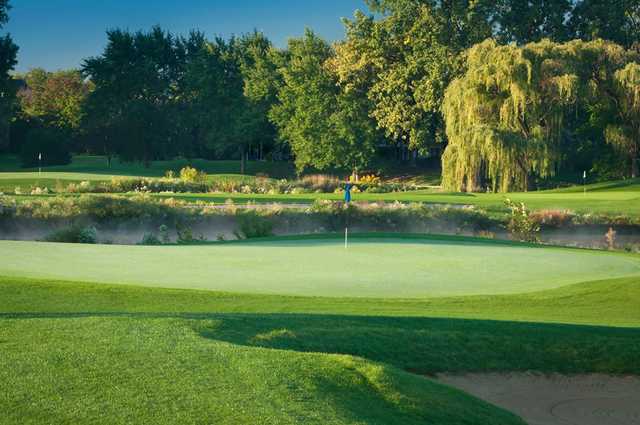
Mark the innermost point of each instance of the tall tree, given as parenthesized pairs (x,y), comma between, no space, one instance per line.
(8,86)
(624,130)
(532,20)
(405,56)
(614,20)
(261,81)
(135,81)
(321,123)
(507,116)
(54,97)
(214,89)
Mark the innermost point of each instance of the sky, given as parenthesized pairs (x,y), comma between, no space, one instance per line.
(59,34)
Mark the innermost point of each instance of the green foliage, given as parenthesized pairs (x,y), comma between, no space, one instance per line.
(624,131)
(74,234)
(252,224)
(191,175)
(402,64)
(8,85)
(522,225)
(319,120)
(54,98)
(506,118)
(150,239)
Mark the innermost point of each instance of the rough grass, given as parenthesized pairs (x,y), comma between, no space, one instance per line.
(390,267)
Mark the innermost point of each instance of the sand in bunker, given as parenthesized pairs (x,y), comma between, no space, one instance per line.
(557,399)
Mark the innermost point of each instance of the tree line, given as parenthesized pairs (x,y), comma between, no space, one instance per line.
(508,93)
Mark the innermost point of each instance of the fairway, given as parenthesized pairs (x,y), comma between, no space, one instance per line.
(370,267)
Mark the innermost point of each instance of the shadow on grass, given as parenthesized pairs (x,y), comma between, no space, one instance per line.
(422,345)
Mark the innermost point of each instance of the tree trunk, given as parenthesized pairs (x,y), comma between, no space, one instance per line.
(242,160)
(634,155)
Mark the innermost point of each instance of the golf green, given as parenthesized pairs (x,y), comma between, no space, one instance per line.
(390,268)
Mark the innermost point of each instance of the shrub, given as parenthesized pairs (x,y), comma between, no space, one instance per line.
(185,234)
(191,175)
(369,179)
(74,234)
(251,224)
(522,225)
(553,218)
(164,234)
(150,239)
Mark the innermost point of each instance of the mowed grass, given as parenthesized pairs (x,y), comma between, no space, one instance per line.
(384,267)
(97,353)
(94,166)
(92,353)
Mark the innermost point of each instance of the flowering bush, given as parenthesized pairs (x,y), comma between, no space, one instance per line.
(191,175)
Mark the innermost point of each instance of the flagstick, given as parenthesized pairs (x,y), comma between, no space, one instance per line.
(346,237)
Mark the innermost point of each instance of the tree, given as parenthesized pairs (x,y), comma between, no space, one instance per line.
(532,20)
(55,98)
(322,123)
(8,86)
(404,58)
(624,132)
(507,117)
(614,20)
(261,81)
(213,88)
(134,89)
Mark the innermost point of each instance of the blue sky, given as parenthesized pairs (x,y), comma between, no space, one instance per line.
(58,34)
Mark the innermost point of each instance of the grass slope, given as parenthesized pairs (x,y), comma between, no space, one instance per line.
(371,267)
(421,335)
(89,353)
(161,371)
(165,369)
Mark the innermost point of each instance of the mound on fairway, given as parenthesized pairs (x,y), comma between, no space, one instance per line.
(370,267)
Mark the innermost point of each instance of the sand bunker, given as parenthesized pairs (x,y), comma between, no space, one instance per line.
(556,399)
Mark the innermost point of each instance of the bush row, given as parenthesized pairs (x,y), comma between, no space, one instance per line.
(255,185)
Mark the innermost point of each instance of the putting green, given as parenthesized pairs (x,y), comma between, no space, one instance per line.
(400,268)
(370,267)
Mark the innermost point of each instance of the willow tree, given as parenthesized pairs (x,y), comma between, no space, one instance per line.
(624,132)
(504,117)
(507,117)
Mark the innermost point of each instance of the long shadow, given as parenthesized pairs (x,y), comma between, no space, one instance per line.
(421,345)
